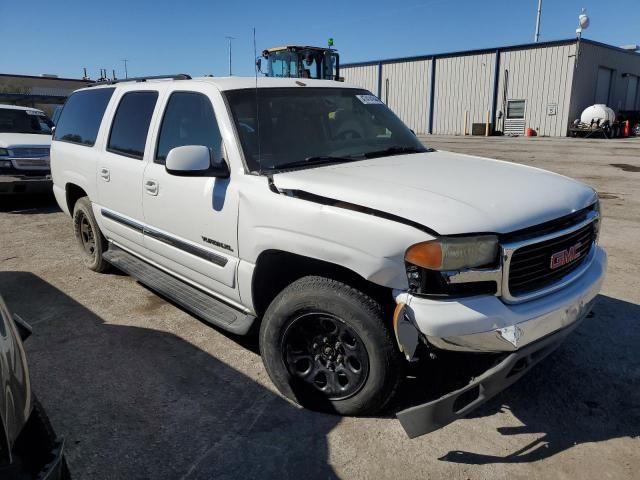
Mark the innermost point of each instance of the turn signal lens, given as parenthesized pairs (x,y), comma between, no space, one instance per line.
(454,253)
(425,254)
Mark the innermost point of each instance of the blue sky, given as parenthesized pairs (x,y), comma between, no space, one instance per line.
(160,36)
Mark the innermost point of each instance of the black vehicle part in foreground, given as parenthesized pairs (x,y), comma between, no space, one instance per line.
(430,416)
(38,453)
(29,448)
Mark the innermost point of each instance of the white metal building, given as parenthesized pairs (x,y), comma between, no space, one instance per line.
(543,86)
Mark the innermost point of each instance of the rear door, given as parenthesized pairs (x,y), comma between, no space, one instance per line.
(191,222)
(121,165)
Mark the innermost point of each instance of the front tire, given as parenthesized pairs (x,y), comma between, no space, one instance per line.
(325,346)
(91,241)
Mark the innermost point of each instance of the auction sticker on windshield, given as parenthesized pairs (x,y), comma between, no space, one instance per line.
(369,99)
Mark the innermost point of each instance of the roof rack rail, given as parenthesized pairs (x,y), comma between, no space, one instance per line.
(179,76)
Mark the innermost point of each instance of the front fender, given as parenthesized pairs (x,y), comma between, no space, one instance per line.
(370,246)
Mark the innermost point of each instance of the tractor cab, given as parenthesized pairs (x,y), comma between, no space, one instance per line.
(293,61)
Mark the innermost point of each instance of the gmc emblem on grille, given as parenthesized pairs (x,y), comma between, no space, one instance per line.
(565,257)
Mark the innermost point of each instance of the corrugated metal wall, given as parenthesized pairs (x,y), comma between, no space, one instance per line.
(365,76)
(405,89)
(463,83)
(542,77)
(591,58)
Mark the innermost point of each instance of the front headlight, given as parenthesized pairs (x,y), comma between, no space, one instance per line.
(4,152)
(454,253)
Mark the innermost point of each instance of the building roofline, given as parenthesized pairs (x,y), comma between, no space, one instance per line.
(505,48)
(39,77)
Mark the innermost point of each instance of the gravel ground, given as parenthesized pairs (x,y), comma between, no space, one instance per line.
(141,389)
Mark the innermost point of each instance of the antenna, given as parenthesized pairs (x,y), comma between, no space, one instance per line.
(229,38)
(126,73)
(537,35)
(255,55)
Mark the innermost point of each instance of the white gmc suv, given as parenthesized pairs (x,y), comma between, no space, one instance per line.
(306,210)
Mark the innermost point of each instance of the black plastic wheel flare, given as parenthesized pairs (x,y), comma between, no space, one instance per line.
(86,235)
(324,352)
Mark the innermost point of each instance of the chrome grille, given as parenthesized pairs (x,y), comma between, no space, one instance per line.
(531,266)
(32,152)
(31,163)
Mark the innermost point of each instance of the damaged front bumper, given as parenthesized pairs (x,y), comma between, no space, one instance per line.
(426,418)
(525,332)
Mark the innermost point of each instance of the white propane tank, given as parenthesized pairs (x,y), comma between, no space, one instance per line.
(597,112)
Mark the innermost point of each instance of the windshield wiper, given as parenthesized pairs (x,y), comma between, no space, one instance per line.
(317,160)
(395,150)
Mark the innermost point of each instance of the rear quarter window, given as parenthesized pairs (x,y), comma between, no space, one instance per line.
(81,116)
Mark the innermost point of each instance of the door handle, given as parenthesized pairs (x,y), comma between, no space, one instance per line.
(105,174)
(151,187)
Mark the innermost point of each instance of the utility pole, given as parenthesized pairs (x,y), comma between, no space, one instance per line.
(229,38)
(537,36)
(126,73)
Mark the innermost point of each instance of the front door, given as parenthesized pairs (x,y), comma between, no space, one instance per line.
(191,222)
(121,167)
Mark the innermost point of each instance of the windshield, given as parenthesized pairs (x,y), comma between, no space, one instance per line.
(301,127)
(307,63)
(24,121)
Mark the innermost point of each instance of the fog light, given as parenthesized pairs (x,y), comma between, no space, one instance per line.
(5,163)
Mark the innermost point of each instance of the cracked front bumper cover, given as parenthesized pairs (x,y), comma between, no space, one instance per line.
(431,416)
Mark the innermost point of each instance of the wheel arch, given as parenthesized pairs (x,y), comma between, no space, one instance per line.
(276,269)
(73,193)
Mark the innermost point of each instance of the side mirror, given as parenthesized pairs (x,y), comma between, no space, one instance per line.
(194,161)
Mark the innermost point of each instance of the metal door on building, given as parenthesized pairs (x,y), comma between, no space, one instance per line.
(514,121)
(631,99)
(603,85)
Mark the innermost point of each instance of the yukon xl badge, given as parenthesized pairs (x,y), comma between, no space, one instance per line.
(216,243)
(565,257)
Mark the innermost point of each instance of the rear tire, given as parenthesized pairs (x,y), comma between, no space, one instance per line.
(325,346)
(91,241)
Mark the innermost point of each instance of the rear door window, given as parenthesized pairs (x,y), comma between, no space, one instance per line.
(131,124)
(188,120)
(81,116)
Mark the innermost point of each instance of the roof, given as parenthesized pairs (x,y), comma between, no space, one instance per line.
(522,46)
(236,83)
(300,47)
(46,78)
(18,107)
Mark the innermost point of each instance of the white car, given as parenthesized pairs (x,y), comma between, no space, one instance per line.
(309,211)
(25,139)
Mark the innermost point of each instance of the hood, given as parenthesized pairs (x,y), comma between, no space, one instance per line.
(447,192)
(12,140)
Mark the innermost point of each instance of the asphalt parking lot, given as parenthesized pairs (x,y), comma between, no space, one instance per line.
(141,389)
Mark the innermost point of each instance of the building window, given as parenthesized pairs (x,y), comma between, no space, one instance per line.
(515,109)
(131,124)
